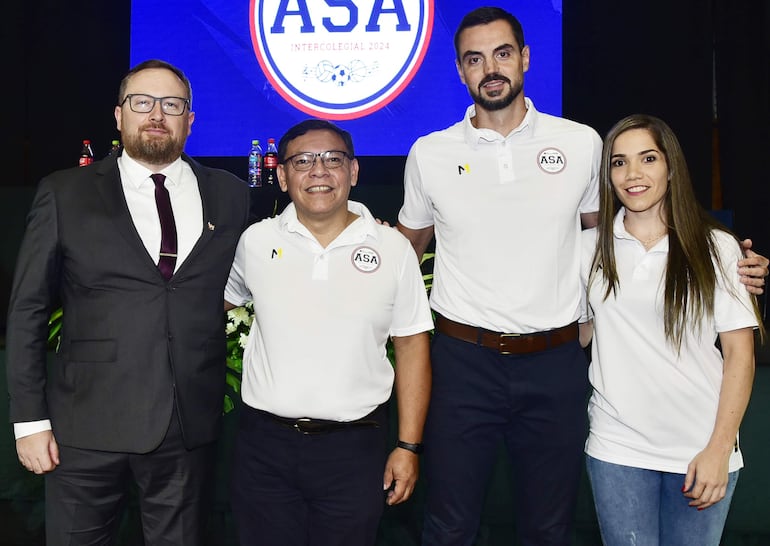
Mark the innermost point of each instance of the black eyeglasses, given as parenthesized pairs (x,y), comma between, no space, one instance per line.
(143,104)
(304,161)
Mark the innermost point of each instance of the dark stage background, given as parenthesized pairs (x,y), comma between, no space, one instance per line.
(64,60)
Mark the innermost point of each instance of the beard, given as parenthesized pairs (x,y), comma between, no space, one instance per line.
(501,99)
(153,150)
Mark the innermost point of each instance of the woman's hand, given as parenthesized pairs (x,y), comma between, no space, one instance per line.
(706,479)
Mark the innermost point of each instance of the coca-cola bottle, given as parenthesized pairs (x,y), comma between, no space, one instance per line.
(86,154)
(270,163)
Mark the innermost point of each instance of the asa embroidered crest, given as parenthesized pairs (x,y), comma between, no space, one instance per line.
(365,259)
(551,160)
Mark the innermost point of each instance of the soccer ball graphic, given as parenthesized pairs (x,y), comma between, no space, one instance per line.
(338,74)
(341,75)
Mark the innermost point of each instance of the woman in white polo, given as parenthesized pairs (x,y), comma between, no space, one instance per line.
(662,284)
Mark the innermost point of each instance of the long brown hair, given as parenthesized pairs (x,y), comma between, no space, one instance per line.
(691,278)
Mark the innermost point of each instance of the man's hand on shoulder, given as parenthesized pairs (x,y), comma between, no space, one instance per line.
(752,269)
(39,452)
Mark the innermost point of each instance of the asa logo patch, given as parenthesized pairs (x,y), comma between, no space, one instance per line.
(340,59)
(365,259)
(551,160)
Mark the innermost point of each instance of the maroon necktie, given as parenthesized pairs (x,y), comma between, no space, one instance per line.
(167,259)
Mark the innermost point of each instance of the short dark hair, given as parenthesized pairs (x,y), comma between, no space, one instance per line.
(154,63)
(484,16)
(308,125)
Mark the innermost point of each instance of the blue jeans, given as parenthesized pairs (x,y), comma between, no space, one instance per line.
(642,507)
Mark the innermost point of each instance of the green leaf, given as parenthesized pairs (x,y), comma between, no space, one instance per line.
(391,352)
(233,381)
(54,328)
(227,405)
(56,316)
(235,364)
(53,331)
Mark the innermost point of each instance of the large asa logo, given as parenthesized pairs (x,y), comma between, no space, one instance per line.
(340,59)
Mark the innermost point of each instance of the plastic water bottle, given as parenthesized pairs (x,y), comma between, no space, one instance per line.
(86,154)
(270,166)
(255,165)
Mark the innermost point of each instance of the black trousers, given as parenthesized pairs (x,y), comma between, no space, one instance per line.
(534,405)
(294,489)
(85,495)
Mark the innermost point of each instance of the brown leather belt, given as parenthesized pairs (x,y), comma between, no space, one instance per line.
(507,344)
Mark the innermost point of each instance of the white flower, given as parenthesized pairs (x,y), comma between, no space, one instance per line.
(239,315)
(230,328)
(242,340)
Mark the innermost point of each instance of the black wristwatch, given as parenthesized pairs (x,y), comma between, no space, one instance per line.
(414,448)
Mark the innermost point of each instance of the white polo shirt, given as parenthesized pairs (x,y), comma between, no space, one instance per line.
(506,213)
(323,315)
(651,408)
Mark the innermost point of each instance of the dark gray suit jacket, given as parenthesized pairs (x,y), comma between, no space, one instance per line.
(132,342)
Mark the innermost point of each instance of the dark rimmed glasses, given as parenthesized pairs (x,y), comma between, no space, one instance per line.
(304,161)
(143,104)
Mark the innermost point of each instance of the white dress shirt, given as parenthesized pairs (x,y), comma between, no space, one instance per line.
(182,186)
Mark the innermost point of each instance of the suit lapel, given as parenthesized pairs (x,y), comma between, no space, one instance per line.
(114,200)
(208,204)
(111,190)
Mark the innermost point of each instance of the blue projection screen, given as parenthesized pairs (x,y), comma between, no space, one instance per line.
(382,69)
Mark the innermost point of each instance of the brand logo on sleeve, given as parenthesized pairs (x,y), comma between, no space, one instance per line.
(365,259)
(340,59)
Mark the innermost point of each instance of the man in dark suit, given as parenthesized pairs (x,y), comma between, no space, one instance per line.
(137,248)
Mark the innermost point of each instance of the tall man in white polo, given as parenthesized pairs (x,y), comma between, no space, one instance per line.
(505,191)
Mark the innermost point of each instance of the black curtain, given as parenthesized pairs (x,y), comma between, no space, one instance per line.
(62,67)
(742,39)
(653,58)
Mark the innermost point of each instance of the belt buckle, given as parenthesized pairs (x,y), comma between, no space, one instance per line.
(500,343)
(298,425)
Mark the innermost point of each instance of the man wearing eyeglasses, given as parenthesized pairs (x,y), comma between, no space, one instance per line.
(137,249)
(329,286)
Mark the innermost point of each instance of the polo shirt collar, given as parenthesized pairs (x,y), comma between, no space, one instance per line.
(474,136)
(137,175)
(364,226)
(619,231)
